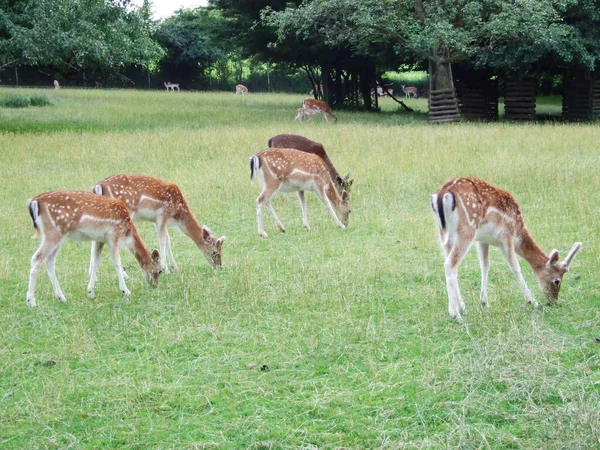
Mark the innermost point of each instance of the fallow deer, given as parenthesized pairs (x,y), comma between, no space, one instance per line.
(84,216)
(306,112)
(56,84)
(163,203)
(323,107)
(410,91)
(171,86)
(241,89)
(303,144)
(469,209)
(289,170)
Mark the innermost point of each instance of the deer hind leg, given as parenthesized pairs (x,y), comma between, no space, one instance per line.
(302,199)
(484,262)
(94,263)
(513,262)
(36,261)
(265,198)
(456,305)
(113,245)
(50,267)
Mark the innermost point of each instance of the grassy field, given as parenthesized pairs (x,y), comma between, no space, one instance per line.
(324,340)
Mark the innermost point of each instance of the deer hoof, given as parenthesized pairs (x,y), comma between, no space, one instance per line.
(91,294)
(31,302)
(126,292)
(263,234)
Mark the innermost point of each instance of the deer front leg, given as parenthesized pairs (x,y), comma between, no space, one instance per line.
(275,216)
(94,263)
(304,212)
(170,256)
(114,252)
(163,238)
(484,262)
(513,262)
(50,267)
(329,206)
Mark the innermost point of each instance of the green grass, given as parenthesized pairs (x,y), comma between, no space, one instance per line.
(352,324)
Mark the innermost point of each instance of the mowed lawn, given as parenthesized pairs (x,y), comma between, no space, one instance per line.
(321,340)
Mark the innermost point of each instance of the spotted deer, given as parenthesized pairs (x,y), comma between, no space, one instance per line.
(410,91)
(303,144)
(241,89)
(306,112)
(468,210)
(171,86)
(321,106)
(84,216)
(163,203)
(289,170)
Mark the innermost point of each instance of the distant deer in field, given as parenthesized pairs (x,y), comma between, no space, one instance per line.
(171,86)
(410,91)
(289,170)
(56,84)
(303,144)
(306,112)
(98,84)
(468,210)
(321,106)
(241,89)
(163,203)
(83,216)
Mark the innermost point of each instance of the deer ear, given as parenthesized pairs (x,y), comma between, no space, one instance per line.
(345,196)
(572,253)
(350,183)
(206,233)
(220,241)
(155,255)
(553,258)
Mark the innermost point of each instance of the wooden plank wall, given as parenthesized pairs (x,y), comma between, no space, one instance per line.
(443,106)
(519,100)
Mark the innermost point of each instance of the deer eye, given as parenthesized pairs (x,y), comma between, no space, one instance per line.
(556,282)
(214,253)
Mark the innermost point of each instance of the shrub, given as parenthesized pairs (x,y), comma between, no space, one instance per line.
(15,101)
(40,100)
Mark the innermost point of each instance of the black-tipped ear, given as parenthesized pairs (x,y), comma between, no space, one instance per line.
(155,255)
(553,258)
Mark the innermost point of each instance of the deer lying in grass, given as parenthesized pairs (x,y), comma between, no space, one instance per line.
(241,89)
(163,203)
(84,216)
(303,144)
(469,209)
(321,106)
(289,170)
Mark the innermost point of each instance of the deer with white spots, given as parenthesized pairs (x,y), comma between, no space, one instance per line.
(304,144)
(163,203)
(84,216)
(241,89)
(470,210)
(410,91)
(321,106)
(289,170)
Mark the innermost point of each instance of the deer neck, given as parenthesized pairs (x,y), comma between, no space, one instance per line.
(531,252)
(191,228)
(140,252)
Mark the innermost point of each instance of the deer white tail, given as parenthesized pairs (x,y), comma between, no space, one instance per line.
(34,212)
(254,166)
(98,190)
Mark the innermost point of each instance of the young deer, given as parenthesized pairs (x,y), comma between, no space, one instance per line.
(306,112)
(84,216)
(289,170)
(410,91)
(171,86)
(321,106)
(163,203)
(303,144)
(241,89)
(469,209)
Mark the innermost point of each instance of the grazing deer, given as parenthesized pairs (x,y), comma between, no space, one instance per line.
(171,86)
(98,85)
(410,91)
(56,84)
(163,203)
(289,170)
(303,144)
(241,89)
(84,216)
(469,209)
(323,107)
(306,112)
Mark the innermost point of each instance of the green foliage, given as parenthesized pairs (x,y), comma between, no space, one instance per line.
(40,100)
(15,100)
